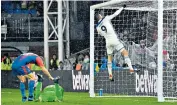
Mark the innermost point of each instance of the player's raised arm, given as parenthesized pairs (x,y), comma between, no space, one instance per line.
(117,12)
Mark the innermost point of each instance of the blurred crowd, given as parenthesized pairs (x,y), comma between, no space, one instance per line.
(6,62)
(76,62)
(22,7)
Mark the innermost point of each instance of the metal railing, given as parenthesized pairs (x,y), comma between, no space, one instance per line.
(22,27)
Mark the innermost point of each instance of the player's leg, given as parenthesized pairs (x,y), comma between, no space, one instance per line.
(19,73)
(109,63)
(58,89)
(31,82)
(37,91)
(22,87)
(124,52)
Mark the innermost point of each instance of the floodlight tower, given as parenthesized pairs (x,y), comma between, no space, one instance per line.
(60,30)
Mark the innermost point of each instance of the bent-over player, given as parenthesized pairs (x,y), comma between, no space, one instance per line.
(22,71)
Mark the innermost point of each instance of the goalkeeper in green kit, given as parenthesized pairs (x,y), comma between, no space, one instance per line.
(50,93)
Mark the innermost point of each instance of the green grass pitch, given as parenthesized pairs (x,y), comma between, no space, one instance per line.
(13,97)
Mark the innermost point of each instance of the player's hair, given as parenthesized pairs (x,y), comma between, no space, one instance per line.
(97,16)
(99,13)
(42,58)
(6,54)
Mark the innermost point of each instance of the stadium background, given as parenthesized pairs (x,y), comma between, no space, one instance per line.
(25,32)
(22,25)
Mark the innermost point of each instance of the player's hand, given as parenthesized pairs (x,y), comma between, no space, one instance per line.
(124,6)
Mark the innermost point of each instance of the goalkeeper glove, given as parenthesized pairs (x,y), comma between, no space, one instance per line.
(124,6)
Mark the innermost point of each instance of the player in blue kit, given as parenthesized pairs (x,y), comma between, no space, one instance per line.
(20,68)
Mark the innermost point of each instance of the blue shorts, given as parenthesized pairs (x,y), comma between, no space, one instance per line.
(23,70)
(164,64)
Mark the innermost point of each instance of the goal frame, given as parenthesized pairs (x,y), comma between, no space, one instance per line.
(160,43)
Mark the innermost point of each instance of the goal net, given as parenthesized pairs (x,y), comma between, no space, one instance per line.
(137,27)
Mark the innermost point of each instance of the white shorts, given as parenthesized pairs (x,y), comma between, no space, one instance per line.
(114,46)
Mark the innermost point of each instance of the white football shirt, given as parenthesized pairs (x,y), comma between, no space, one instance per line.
(105,28)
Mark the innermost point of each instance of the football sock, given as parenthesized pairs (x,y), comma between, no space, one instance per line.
(109,68)
(22,89)
(31,87)
(128,62)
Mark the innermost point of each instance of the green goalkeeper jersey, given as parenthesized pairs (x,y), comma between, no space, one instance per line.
(49,94)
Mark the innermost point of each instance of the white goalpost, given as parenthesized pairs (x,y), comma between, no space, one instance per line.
(148,30)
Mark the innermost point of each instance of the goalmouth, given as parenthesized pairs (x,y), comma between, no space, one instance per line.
(141,19)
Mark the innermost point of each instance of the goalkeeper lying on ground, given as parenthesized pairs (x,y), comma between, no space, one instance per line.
(50,93)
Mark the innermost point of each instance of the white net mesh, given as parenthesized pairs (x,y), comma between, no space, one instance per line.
(137,28)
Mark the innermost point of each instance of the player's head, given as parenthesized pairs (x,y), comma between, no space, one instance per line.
(142,43)
(99,15)
(125,38)
(54,56)
(165,52)
(42,58)
(5,55)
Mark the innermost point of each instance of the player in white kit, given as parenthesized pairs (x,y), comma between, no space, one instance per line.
(105,29)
